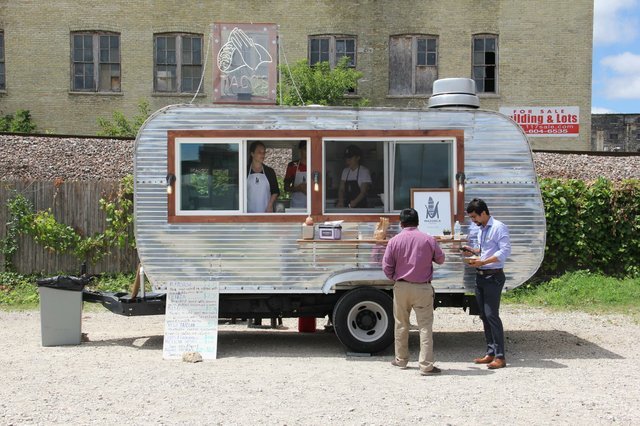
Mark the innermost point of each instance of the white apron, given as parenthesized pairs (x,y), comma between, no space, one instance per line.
(258,192)
(299,199)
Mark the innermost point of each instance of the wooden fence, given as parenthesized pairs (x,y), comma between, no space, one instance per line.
(72,203)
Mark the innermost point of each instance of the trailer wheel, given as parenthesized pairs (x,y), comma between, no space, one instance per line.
(363,320)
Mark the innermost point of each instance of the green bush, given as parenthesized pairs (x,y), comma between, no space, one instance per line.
(592,226)
(121,126)
(303,84)
(21,122)
(57,237)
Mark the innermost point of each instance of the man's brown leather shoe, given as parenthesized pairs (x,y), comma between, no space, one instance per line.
(487,359)
(497,363)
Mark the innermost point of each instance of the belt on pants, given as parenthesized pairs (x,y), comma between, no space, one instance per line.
(488,271)
(412,282)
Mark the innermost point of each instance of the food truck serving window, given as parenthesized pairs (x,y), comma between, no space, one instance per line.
(419,164)
(377,175)
(286,175)
(208,176)
(227,176)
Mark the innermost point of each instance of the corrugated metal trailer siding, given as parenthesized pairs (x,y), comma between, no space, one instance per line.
(245,257)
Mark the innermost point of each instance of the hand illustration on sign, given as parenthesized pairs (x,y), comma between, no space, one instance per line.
(241,51)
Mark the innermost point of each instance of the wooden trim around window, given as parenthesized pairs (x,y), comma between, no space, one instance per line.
(315,140)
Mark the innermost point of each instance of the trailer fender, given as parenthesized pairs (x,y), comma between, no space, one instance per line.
(356,277)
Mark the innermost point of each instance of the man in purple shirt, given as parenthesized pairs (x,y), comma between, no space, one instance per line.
(408,262)
(492,247)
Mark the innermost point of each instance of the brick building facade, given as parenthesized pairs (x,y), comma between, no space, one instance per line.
(70,64)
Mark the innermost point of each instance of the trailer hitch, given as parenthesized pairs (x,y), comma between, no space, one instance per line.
(122,303)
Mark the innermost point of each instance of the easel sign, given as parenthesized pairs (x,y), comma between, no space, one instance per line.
(435,209)
(191,319)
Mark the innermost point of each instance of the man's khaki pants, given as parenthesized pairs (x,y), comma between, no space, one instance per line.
(419,297)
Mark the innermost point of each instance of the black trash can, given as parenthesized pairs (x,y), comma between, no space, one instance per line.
(61,309)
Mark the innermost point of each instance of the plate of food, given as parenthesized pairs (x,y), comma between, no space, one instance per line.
(469,259)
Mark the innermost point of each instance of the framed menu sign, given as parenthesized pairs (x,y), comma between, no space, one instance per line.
(191,319)
(435,209)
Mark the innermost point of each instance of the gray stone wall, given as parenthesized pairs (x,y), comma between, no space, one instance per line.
(615,132)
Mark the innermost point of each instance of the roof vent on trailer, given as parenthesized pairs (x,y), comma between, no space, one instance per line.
(454,92)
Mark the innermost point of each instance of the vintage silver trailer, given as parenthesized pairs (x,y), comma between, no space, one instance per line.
(264,268)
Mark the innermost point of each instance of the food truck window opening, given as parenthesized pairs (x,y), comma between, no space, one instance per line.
(209,176)
(212,175)
(394,166)
(420,164)
(379,149)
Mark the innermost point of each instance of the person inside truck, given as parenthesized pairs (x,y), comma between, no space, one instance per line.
(262,185)
(295,178)
(355,180)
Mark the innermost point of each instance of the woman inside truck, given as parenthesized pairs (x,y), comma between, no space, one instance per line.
(262,185)
(355,181)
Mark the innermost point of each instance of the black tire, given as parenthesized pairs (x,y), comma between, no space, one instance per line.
(363,320)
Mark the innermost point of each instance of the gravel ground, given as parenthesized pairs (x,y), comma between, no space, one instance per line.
(563,368)
(79,159)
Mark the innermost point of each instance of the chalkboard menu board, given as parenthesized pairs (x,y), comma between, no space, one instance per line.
(191,319)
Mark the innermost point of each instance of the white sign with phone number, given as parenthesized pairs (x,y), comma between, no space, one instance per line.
(559,121)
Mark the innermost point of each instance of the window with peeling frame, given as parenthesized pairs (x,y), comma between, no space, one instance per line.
(485,63)
(413,64)
(177,62)
(332,48)
(95,62)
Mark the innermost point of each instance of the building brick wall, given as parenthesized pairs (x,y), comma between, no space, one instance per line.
(544,50)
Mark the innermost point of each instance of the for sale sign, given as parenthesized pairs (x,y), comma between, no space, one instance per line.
(561,121)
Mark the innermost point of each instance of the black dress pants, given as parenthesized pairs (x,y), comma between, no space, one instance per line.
(488,293)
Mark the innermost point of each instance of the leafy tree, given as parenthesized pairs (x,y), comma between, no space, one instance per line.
(303,84)
(121,126)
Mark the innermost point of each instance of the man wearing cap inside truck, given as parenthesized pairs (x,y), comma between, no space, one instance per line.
(355,180)
(494,246)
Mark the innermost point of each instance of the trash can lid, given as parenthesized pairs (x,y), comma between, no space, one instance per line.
(64,282)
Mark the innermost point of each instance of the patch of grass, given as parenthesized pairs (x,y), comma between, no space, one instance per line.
(113,283)
(18,291)
(21,292)
(582,291)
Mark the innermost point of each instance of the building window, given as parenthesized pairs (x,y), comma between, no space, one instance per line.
(331,49)
(3,85)
(485,63)
(96,62)
(413,64)
(613,136)
(178,62)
